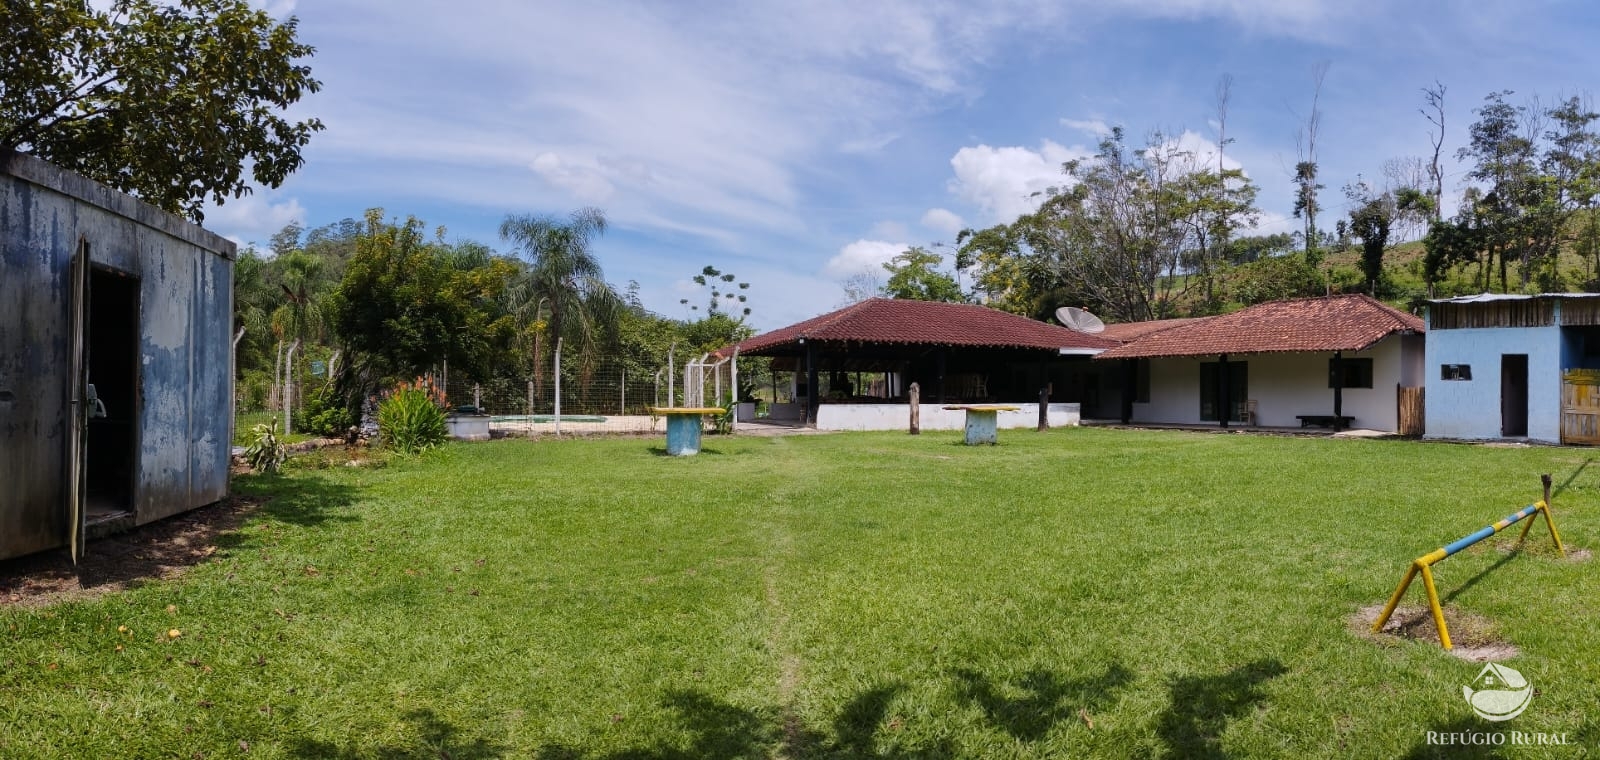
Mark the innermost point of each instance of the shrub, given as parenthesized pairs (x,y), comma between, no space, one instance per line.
(254,388)
(265,453)
(411,419)
(325,413)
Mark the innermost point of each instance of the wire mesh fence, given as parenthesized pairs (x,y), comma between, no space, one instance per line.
(608,395)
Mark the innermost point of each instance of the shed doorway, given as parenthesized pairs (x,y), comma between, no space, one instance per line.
(1513,395)
(112,437)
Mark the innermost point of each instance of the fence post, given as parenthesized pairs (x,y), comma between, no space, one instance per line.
(477,398)
(622,408)
(916,409)
(733,380)
(671,370)
(1044,409)
(558,386)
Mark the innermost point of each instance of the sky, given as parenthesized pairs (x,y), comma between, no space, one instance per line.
(796,144)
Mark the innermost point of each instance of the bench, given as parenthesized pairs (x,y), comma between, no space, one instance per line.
(1324,420)
(983,421)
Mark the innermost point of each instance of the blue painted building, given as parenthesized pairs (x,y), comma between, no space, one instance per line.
(116,377)
(1500,365)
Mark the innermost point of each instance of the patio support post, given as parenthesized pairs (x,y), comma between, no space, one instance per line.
(1338,391)
(938,376)
(811,384)
(1226,393)
(1130,388)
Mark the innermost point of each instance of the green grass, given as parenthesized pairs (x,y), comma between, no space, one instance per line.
(859,595)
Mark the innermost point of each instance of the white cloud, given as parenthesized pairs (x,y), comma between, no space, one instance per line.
(1095,127)
(1008,182)
(584,180)
(254,218)
(861,256)
(1202,151)
(943,221)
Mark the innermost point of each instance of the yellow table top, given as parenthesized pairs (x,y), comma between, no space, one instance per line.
(985,407)
(687,410)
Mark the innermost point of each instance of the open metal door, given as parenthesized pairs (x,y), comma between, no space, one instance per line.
(77,424)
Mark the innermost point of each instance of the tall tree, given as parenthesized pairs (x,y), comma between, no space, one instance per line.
(171,100)
(1434,113)
(1306,205)
(1371,216)
(562,277)
(914,276)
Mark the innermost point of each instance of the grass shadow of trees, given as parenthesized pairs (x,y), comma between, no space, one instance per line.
(437,739)
(1046,698)
(1202,706)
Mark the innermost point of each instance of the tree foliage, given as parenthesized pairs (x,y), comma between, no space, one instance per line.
(914,276)
(405,304)
(170,100)
(1130,232)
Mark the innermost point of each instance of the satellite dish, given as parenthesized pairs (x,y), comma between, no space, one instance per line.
(1078,319)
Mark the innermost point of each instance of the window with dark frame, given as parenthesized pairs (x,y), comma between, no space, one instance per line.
(1455,371)
(1357,373)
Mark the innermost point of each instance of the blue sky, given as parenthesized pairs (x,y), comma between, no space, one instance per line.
(795,143)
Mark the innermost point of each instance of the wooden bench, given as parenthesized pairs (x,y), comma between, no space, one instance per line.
(1324,420)
(983,421)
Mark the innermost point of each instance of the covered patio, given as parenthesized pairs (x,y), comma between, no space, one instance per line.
(852,369)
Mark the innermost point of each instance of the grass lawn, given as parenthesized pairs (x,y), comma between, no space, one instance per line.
(1080,593)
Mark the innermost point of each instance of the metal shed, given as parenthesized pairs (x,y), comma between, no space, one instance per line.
(116,379)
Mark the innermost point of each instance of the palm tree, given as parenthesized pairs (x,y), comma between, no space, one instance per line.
(562,278)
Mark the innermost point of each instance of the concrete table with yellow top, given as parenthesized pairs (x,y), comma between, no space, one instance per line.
(683,427)
(983,421)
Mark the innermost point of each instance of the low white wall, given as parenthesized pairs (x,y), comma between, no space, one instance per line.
(934,417)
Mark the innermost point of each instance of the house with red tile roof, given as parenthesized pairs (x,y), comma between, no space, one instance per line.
(1337,361)
(852,368)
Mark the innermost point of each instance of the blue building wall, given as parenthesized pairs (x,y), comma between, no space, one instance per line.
(184,352)
(1470,409)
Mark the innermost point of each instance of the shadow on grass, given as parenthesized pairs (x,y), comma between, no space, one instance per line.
(1481,574)
(1046,698)
(305,499)
(168,546)
(1202,706)
(717,729)
(437,738)
(1463,727)
(661,451)
(1574,476)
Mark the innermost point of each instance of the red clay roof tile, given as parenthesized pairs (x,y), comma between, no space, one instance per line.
(1333,323)
(895,321)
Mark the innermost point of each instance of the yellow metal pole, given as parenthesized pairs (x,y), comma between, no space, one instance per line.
(1394,601)
(1433,601)
(1550,521)
(1528,525)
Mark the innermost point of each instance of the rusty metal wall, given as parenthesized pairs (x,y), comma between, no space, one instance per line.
(186,305)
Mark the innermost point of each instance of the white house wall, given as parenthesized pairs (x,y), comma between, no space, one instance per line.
(933,417)
(1470,409)
(1286,385)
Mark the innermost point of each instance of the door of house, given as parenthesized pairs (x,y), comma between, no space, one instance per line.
(79,405)
(1580,407)
(1211,390)
(1514,395)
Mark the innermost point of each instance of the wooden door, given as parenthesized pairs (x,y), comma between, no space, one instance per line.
(1580,407)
